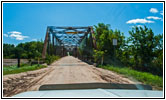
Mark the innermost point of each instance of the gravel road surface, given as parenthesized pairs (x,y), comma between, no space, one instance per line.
(64,71)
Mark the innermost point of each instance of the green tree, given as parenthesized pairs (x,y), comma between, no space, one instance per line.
(104,41)
(38,56)
(99,56)
(8,51)
(143,45)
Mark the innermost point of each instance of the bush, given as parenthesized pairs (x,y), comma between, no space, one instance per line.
(51,59)
(24,64)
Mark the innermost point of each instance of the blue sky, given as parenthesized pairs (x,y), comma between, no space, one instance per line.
(23,22)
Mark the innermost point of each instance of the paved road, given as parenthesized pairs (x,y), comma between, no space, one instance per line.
(72,70)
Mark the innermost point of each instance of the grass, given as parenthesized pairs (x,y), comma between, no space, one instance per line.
(14,69)
(144,77)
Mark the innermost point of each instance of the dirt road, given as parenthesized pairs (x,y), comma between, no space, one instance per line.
(66,70)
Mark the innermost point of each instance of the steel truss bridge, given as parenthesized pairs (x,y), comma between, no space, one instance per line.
(61,40)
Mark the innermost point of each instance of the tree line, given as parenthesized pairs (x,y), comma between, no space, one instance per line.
(27,50)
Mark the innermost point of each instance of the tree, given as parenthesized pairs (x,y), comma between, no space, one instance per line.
(99,56)
(8,51)
(143,44)
(104,41)
(27,50)
(37,56)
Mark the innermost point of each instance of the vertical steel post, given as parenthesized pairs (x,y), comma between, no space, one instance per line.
(91,46)
(49,44)
(93,43)
(76,50)
(55,45)
(86,42)
(63,50)
(53,48)
(45,44)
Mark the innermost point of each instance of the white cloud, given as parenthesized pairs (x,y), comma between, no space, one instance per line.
(153,17)
(134,21)
(17,35)
(14,32)
(153,10)
(6,35)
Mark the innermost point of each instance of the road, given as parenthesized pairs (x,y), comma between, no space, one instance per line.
(66,70)
(72,70)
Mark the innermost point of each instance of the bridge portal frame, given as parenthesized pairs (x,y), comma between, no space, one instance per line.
(53,30)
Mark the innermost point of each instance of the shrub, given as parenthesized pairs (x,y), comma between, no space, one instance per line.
(50,59)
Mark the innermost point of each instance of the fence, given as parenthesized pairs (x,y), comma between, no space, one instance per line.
(9,62)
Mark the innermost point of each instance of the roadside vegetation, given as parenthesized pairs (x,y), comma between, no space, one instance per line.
(14,69)
(140,54)
(142,50)
(24,68)
(146,78)
(28,50)
(51,59)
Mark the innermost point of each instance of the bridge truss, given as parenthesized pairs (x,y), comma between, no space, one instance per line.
(60,40)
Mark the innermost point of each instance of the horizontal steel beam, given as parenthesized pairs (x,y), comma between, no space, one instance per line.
(67,32)
(54,27)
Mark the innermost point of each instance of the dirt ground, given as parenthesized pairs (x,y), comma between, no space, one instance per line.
(66,70)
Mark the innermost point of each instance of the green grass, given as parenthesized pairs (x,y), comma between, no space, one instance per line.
(14,69)
(144,77)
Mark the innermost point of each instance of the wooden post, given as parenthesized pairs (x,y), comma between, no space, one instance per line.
(18,59)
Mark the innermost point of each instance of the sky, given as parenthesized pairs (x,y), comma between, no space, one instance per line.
(24,22)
